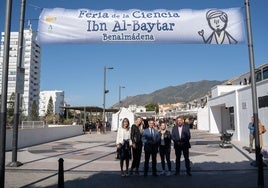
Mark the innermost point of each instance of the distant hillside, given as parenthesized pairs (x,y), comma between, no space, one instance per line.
(173,94)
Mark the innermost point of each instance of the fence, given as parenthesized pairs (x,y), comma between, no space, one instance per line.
(32,124)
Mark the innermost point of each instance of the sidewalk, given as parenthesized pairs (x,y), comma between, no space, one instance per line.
(89,161)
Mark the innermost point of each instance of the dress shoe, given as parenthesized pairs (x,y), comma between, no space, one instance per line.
(189,173)
(168,173)
(155,174)
(163,173)
(177,173)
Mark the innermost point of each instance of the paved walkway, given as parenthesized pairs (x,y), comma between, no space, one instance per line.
(89,161)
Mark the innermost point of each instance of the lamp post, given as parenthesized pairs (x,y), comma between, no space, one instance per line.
(119,103)
(3,112)
(19,90)
(104,95)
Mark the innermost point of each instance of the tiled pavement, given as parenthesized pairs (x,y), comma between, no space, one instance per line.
(89,161)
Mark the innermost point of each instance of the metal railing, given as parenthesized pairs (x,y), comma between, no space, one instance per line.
(32,124)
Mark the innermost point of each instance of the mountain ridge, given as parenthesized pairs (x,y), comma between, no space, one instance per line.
(172,94)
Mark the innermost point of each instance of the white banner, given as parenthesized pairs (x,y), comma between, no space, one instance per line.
(209,26)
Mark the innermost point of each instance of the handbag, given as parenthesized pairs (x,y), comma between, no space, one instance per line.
(262,129)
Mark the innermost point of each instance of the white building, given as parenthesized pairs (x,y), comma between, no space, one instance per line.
(230,106)
(135,108)
(31,63)
(58,102)
(167,109)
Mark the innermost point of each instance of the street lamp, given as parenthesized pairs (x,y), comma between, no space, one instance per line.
(104,94)
(3,112)
(120,87)
(18,92)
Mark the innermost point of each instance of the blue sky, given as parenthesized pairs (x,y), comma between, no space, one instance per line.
(77,69)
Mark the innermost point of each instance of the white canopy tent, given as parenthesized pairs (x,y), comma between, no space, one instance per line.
(118,117)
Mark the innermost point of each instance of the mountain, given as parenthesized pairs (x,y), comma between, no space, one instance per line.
(173,94)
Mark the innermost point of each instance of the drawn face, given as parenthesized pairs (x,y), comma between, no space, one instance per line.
(217,24)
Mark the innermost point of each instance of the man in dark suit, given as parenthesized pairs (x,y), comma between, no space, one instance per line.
(150,140)
(181,137)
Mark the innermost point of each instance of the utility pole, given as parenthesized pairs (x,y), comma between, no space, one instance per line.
(104,96)
(119,102)
(19,89)
(258,155)
(3,113)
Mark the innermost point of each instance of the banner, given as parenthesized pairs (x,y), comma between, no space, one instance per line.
(209,26)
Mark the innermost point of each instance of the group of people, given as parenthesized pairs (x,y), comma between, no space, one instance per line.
(131,140)
(101,126)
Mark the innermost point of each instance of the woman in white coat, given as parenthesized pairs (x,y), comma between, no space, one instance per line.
(123,143)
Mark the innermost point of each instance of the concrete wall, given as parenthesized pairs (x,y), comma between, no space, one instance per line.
(202,119)
(29,137)
(222,89)
(245,110)
(215,119)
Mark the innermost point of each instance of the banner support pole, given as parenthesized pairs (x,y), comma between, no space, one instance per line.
(258,155)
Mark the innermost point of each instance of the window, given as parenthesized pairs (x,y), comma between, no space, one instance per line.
(11,78)
(258,76)
(13,42)
(265,73)
(231,112)
(263,101)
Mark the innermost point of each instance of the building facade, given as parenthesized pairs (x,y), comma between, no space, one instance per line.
(58,102)
(135,108)
(31,62)
(230,106)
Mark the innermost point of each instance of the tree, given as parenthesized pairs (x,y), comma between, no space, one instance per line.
(50,107)
(50,116)
(152,107)
(10,108)
(34,112)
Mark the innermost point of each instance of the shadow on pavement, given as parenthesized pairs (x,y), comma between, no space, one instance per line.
(232,177)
